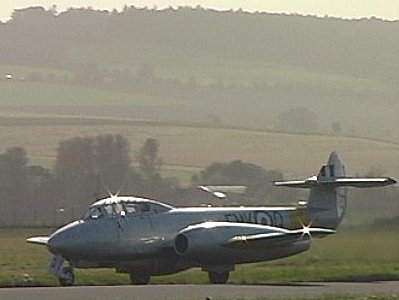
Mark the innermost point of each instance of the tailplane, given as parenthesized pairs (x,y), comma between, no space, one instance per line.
(326,205)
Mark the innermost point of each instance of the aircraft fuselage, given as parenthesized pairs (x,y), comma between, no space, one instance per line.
(148,238)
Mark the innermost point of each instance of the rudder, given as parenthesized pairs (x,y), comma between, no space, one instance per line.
(327,204)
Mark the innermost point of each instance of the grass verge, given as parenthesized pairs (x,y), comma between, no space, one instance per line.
(350,255)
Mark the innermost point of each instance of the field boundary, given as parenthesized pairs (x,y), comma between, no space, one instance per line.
(69,120)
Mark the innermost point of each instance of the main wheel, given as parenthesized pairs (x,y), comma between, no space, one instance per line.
(139,277)
(67,277)
(218,277)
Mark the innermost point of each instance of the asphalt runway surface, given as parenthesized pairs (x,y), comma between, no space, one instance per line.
(195,292)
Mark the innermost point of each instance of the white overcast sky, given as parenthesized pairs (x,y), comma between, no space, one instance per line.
(386,9)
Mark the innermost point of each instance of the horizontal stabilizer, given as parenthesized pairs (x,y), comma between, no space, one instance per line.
(40,240)
(360,182)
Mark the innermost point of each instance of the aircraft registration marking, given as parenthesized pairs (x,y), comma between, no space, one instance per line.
(271,218)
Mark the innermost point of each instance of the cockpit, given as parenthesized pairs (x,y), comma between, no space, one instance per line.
(124,206)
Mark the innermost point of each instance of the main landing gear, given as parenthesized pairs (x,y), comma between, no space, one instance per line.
(218,277)
(218,274)
(139,277)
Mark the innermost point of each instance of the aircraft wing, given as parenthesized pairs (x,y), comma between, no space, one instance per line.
(205,238)
(40,240)
(276,238)
(360,182)
(364,182)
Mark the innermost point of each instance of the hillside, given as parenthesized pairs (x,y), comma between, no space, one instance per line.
(203,66)
(297,155)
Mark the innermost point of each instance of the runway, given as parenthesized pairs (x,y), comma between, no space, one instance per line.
(196,292)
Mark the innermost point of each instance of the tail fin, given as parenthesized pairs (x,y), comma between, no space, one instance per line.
(327,199)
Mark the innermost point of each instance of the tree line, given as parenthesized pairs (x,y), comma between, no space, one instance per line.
(363,48)
(90,168)
(87,169)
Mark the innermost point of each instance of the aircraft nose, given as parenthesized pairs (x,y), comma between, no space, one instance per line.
(56,244)
(63,241)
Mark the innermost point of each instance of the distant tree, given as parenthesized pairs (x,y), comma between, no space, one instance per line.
(257,180)
(38,176)
(75,173)
(27,193)
(44,198)
(14,184)
(87,167)
(214,174)
(36,15)
(148,159)
(112,162)
(75,159)
(53,9)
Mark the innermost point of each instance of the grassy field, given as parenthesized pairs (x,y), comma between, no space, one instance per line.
(189,148)
(362,116)
(208,70)
(246,73)
(350,255)
(18,93)
(22,72)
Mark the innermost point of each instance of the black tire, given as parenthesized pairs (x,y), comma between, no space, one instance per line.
(67,277)
(218,277)
(139,277)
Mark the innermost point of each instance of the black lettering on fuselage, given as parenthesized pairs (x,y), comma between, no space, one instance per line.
(271,218)
(278,219)
(263,218)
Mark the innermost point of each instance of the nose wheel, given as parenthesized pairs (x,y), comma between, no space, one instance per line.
(66,277)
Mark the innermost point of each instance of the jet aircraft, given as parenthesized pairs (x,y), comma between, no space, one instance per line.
(145,238)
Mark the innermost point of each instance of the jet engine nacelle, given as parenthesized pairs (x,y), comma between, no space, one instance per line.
(205,239)
(195,243)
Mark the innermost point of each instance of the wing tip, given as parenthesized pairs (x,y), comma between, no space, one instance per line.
(391,181)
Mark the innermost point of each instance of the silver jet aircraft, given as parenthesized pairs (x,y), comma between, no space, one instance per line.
(146,238)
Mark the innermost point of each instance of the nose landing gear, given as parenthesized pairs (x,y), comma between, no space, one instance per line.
(66,277)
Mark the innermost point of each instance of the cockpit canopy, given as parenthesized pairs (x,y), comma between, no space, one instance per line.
(124,206)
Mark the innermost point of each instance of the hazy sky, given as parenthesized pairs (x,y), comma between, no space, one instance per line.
(386,9)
